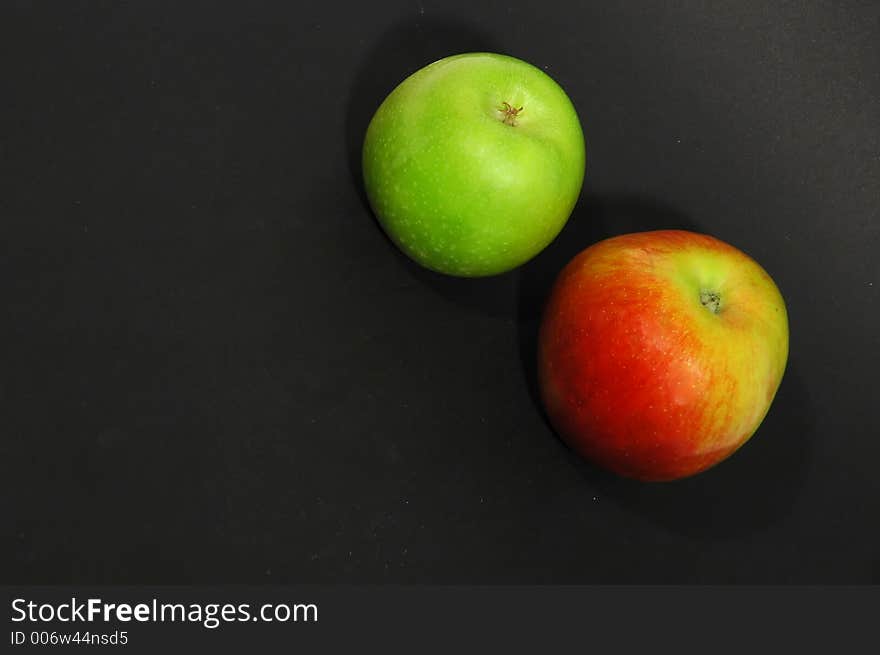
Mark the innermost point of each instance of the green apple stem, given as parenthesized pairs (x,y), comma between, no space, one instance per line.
(509,113)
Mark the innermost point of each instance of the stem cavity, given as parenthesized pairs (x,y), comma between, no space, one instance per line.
(711,300)
(509,113)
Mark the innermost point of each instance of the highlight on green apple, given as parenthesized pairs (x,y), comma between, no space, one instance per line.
(474,163)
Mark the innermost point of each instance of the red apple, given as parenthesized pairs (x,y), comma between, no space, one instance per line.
(659,353)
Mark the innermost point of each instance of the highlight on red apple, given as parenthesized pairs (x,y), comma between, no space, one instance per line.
(660,353)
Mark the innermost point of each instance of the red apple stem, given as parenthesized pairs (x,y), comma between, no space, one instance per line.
(711,300)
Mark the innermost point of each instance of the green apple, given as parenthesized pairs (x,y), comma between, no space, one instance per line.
(474,163)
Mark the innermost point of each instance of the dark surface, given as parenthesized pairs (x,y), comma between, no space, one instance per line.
(215,368)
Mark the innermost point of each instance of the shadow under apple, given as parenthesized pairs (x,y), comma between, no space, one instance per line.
(403,49)
(750,491)
(755,487)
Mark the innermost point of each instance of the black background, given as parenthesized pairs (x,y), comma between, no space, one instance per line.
(215,367)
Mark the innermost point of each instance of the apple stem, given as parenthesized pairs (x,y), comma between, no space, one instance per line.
(711,300)
(510,113)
